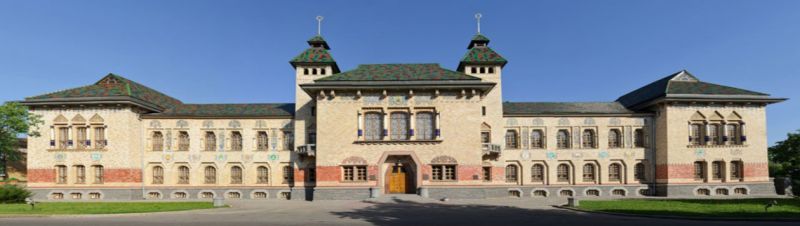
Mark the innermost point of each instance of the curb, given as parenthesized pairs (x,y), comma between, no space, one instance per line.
(675,217)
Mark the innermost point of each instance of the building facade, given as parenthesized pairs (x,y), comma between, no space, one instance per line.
(399,128)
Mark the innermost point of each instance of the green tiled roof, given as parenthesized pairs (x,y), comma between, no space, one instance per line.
(480,37)
(398,72)
(318,40)
(114,86)
(681,83)
(229,110)
(561,108)
(483,54)
(314,55)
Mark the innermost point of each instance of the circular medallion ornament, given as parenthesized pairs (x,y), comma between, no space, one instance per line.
(603,155)
(700,153)
(525,155)
(273,157)
(60,157)
(97,156)
(552,155)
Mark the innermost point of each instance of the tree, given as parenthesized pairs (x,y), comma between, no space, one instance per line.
(784,160)
(15,120)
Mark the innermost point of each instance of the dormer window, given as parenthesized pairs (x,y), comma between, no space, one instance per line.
(483,70)
(491,70)
(322,71)
(474,70)
(305,71)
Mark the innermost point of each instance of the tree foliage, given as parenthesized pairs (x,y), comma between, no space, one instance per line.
(15,120)
(784,160)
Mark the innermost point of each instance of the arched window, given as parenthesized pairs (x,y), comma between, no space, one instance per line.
(491,70)
(158,175)
(614,172)
(736,170)
(537,139)
(699,170)
(511,139)
(158,141)
(262,141)
(399,125)
(614,138)
(210,175)
(183,141)
(717,170)
(263,175)
(80,174)
(562,173)
(588,139)
(98,174)
(61,174)
(183,175)
(638,171)
(373,125)
(588,172)
(288,174)
(537,173)
(314,71)
(305,71)
(236,175)
(563,139)
(511,173)
(211,141)
(322,71)
(236,141)
(425,126)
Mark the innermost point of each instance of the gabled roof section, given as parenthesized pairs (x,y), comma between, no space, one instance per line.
(683,84)
(480,53)
(398,72)
(272,110)
(317,39)
(564,108)
(112,86)
(478,38)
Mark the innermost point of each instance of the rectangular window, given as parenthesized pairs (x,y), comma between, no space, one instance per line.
(373,126)
(262,141)
(355,173)
(312,138)
(98,174)
(537,173)
(714,134)
(399,125)
(486,137)
(736,170)
(443,172)
(483,110)
(733,134)
(100,137)
(696,137)
(158,141)
(511,173)
(487,174)
(638,138)
(61,173)
(426,126)
(537,139)
(81,137)
(63,137)
(288,140)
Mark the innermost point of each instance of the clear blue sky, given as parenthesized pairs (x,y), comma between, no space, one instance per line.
(238,51)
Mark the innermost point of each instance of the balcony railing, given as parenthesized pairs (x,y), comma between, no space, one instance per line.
(307,149)
(489,149)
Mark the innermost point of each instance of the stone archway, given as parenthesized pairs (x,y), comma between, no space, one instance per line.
(400,173)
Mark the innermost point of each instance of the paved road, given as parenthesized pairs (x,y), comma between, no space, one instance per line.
(404,210)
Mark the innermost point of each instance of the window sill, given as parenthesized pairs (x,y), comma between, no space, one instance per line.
(444,181)
(77,149)
(354,181)
(717,146)
(397,141)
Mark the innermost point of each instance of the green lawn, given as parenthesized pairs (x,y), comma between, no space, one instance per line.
(53,208)
(735,208)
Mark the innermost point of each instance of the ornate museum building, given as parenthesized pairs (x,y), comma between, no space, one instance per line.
(382,129)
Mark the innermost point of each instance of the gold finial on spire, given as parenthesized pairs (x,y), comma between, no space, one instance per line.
(319,25)
(478,18)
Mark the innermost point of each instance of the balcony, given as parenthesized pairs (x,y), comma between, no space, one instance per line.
(489,148)
(307,149)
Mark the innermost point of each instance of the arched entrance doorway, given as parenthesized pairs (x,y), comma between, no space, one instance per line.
(400,175)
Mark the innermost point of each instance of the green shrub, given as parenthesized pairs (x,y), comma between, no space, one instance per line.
(13,194)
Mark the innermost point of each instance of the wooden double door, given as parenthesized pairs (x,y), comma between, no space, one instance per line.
(400,180)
